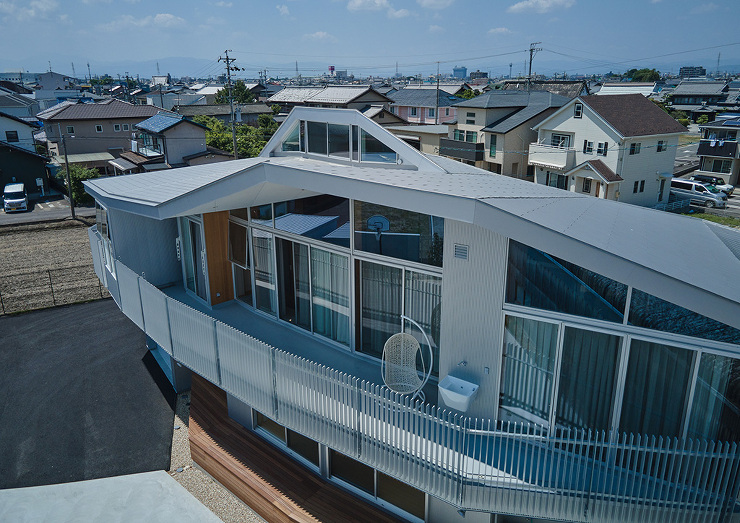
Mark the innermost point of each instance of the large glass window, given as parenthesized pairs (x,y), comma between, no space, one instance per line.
(193,257)
(330,285)
(656,389)
(652,312)
(715,414)
(264,271)
(398,233)
(324,218)
(294,288)
(339,140)
(317,132)
(423,304)
(261,214)
(380,310)
(292,141)
(238,244)
(373,150)
(539,280)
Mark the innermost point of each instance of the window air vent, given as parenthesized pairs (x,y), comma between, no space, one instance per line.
(461,251)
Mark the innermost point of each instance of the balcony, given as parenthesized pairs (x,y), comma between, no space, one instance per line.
(552,157)
(473,464)
(470,151)
(717,148)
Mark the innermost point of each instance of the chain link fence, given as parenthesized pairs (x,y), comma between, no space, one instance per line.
(39,289)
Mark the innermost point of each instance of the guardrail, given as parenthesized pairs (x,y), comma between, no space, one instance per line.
(474,464)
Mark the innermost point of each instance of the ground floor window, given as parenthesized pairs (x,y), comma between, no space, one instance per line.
(556,180)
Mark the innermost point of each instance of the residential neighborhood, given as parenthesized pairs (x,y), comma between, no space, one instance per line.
(323,262)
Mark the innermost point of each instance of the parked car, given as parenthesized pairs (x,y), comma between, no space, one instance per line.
(718,182)
(698,193)
(15,197)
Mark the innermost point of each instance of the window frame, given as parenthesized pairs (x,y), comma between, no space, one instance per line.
(70,129)
(11,136)
(98,128)
(661,147)
(117,127)
(635,148)
(578,110)
(586,186)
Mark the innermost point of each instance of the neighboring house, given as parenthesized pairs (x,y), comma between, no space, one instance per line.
(424,138)
(567,88)
(494,130)
(424,106)
(620,147)
(718,152)
(644,88)
(17,131)
(454,88)
(244,113)
(698,98)
(103,127)
(19,105)
(51,81)
(170,135)
(595,366)
(381,115)
(336,96)
(21,165)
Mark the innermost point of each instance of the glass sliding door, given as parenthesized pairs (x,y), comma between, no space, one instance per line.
(380,306)
(423,304)
(330,299)
(264,271)
(240,262)
(715,414)
(193,257)
(588,371)
(293,283)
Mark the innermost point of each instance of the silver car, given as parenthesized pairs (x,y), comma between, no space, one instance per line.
(698,193)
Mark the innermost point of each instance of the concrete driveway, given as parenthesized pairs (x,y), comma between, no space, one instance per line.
(77,398)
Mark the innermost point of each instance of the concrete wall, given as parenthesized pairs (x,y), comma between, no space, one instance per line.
(182,140)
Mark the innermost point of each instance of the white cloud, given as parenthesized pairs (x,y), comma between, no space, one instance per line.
(283,10)
(436,29)
(161,20)
(435,4)
(367,5)
(499,31)
(704,8)
(28,10)
(321,36)
(224,4)
(540,6)
(398,13)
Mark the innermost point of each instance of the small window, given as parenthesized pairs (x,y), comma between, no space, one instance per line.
(431,112)
(98,128)
(70,129)
(586,185)
(393,109)
(125,127)
(601,148)
(470,122)
(492,151)
(661,146)
(636,186)
(577,110)
(634,148)
(447,111)
(11,136)
(642,185)
(588,147)
(470,115)
(413,111)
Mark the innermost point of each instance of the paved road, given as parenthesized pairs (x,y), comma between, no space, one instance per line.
(78,399)
(45,209)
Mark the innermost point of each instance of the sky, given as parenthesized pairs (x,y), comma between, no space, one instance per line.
(366,37)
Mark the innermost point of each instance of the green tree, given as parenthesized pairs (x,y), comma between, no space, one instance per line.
(275,109)
(77,175)
(469,93)
(241,94)
(702,119)
(249,140)
(643,75)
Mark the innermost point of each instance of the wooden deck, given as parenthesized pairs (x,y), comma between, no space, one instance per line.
(274,485)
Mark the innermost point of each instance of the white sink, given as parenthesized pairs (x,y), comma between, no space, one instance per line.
(457,393)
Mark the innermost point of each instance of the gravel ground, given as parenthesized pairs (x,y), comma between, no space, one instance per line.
(221,502)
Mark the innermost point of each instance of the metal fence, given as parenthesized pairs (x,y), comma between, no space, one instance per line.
(471,463)
(24,291)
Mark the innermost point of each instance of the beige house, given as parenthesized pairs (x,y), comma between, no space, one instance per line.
(425,138)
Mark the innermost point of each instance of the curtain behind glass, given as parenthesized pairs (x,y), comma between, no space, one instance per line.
(655,389)
(302,286)
(330,281)
(264,271)
(587,378)
(715,414)
(527,370)
(380,315)
(423,303)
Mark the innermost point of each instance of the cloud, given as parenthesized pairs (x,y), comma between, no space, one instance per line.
(321,36)
(283,10)
(224,4)
(499,31)
(398,13)
(435,4)
(704,8)
(367,5)
(28,10)
(436,29)
(655,1)
(161,20)
(540,6)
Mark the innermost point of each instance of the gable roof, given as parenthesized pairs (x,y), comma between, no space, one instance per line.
(110,108)
(633,115)
(22,150)
(19,120)
(643,88)
(331,94)
(419,97)
(600,168)
(163,121)
(517,118)
(688,87)
(568,88)
(222,109)
(497,99)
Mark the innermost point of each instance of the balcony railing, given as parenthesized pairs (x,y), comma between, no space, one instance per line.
(551,156)
(473,464)
(718,148)
(470,151)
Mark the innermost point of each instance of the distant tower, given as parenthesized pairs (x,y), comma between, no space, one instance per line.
(74,74)
(510,64)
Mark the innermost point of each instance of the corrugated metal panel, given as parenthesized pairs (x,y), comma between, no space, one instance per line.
(194,340)
(474,286)
(154,307)
(95,251)
(246,368)
(130,302)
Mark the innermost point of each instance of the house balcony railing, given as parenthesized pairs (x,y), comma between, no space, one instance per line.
(471,151)
(718,148)
(473,464)
(552,157)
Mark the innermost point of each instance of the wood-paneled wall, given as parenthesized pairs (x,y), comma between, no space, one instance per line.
(216,230)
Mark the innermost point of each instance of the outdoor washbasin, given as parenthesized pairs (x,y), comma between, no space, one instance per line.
(457,393)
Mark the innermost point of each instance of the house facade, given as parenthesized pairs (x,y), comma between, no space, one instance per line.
(597,378)
(718,149)
(17,132)
(170,135)
(617,147)
(493,130)
(424,106)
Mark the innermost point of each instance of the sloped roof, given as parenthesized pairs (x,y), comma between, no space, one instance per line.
(163,121)
(416,97)
(514,120)
(500,99)
(633,115)
(110,108)
(688,87)
(222,109)
(332,94)
(294,94)
(643,88)
(449,88)
(22,150)
(568,88)
(19,120)
(209,150)
(598,167)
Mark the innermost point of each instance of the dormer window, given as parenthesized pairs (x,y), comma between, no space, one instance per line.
(577,110)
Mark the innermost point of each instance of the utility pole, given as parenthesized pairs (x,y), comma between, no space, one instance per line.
(510,64)
(436,99)
(89,75)
(228,61)
(532,51)
(69,180)
(74,74)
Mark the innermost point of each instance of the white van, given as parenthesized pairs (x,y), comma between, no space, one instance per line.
(15,197)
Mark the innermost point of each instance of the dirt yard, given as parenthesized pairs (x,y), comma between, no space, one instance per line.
(42,265)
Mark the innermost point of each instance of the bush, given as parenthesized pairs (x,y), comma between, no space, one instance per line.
(77,175)
(702,119)
(684,121)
